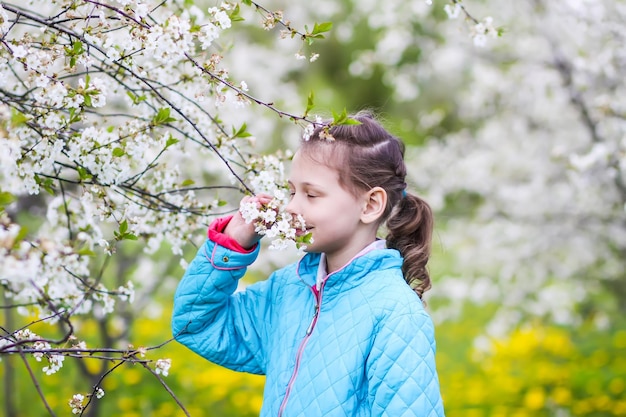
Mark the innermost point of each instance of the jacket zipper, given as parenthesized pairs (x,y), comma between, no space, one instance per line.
(309,330)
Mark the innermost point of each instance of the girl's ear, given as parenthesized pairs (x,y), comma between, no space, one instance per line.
(375,203)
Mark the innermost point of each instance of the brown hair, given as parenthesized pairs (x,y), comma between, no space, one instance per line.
(366,156)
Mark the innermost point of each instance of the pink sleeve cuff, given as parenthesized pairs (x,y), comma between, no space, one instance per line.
(216,234)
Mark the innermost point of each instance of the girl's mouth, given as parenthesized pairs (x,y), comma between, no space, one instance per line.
(300,232)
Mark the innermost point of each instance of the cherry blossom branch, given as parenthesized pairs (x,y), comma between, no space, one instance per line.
(36,383)
(167,388)
(459,4)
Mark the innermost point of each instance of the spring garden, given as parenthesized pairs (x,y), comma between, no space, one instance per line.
(126,126)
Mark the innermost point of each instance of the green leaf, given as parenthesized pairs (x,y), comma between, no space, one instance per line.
(305,239)
(234,15)
(338,118)
(343,119)
(321,28)
(187,183)
(241,133)
(310,103)
(87,99)
(46,184)
(84,174)
(21,234)
(221,203)
(77,48)
(86,252)
(118,152)
(18,118)
(74,116)
(6,198)
(135,98)
(171,141)
(163,116)
(350,121)
(123,227)
(247,2)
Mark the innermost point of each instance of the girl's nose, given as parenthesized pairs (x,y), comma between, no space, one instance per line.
(291,206)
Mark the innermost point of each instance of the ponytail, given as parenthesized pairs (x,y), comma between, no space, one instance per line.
(410,229)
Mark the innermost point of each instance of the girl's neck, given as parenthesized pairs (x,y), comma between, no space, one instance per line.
(335,262)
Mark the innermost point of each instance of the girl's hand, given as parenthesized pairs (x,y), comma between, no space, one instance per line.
(244,232)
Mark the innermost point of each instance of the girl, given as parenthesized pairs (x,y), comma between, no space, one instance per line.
(342,332)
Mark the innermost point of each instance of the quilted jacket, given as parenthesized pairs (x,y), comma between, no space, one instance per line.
(360,346)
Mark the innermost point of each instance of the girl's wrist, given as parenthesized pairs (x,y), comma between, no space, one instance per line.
(217,233)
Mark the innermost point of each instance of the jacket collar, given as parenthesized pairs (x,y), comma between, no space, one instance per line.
(312,268)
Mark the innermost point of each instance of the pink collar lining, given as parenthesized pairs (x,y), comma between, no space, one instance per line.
(322,274)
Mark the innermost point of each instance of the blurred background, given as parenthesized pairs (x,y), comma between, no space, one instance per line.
(514,114)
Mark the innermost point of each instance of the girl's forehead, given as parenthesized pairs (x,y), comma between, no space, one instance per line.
(312,169)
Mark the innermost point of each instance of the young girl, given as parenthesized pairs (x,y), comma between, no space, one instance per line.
(343,331)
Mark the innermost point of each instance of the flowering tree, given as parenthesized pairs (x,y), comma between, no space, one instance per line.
(524,152)
(530,176)
(128,121)
(120,122)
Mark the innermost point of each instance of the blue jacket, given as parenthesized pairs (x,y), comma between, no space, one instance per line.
(361,346)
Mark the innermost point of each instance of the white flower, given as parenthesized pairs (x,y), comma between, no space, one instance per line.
(5,23)
(452,11)
(99,393)
(483,30)
(56,363)
(142,10)
(308,131)
(76,403)
(163,366)
(221,19)
(19,51)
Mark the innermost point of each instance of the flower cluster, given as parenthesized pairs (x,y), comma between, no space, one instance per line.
(162,366)
(76,403)
(482,31)
(39,346)
(271,219)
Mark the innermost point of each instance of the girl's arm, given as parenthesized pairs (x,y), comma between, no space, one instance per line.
(401,369)
(208,317)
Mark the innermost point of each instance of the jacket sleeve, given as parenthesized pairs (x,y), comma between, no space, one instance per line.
(401,369)
(214,321)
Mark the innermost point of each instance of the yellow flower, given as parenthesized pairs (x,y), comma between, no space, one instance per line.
(535,398)
(562,396)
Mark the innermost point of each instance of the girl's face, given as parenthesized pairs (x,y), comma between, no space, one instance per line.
(332,214)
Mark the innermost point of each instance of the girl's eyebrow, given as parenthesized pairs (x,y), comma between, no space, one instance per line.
(304,184)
